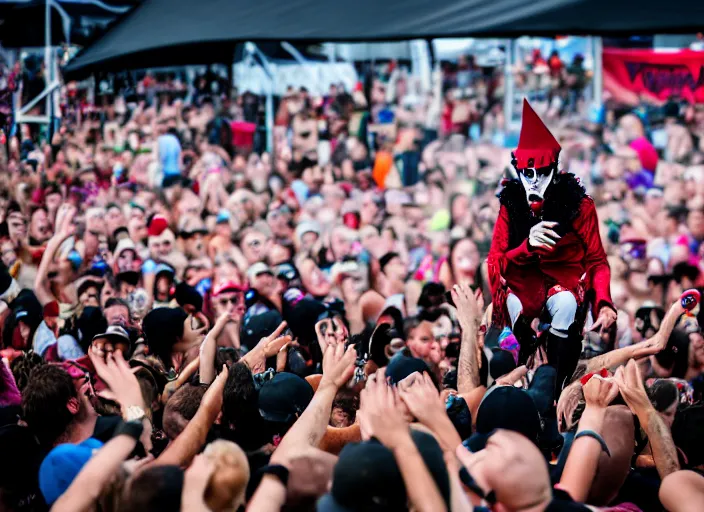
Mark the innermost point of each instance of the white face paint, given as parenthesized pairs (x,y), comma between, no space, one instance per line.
(535,182)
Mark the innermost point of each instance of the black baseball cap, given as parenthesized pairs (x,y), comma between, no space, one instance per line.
(502,363)
(259,326)
(284,398)
(401,366)
(366,477)
(505,407)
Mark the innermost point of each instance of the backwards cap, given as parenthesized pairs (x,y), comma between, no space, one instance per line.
(536,142)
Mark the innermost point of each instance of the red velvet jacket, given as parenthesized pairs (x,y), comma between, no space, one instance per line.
(578,255)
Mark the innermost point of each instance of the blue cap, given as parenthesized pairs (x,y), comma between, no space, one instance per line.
(62,465)
(223,217)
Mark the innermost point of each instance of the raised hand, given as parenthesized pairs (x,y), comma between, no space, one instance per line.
(381,412)
(630,384)
(513,376)
(423,400)
(331,331)
(600,391)
(267,347)
(467,303)
(65,226)
(338,365)
(117,374)
(607,316)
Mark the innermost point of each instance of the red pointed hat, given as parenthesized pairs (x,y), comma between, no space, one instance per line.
(536,142)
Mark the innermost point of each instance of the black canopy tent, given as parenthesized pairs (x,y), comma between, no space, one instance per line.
(171,32)
(22,23)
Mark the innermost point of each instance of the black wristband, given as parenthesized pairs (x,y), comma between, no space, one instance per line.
(594,435)
(277,470)
(133,429)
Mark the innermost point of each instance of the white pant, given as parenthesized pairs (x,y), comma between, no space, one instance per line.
(562,308)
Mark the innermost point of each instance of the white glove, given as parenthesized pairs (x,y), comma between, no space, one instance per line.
(542,236)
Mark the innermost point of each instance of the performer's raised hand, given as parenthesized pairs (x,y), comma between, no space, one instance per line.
(542,236)
(606,318)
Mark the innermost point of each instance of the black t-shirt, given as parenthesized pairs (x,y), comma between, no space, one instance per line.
(105,428)
(563,502)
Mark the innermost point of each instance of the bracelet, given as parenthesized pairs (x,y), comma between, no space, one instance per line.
(276,470)
(594,435)
(132,429)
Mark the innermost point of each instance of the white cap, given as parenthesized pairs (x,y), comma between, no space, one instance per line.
(258,268)
(307,227)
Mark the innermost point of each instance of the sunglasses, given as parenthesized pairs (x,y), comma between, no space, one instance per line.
(531,173)
(224,301)
(186,235)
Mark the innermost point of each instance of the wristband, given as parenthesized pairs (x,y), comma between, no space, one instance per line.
(132,429)
(603,373)
(594,435)
(277,470)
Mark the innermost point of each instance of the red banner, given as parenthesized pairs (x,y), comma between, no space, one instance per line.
(632,74)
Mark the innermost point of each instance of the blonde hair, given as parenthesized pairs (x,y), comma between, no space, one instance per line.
(228,485)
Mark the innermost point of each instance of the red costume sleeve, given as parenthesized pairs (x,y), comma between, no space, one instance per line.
(595,263)
(499,257)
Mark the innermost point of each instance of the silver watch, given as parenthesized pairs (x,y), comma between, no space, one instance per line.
(134,413)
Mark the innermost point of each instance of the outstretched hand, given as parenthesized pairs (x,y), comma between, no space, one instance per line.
(381,413)
(117,375)
(423,400)
(267,347)
(607,316)
(468,305)
(338,365)
(331,331)
(630,384)
(600,391)
(65,226)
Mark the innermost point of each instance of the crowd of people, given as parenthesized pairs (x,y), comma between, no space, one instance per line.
(336,325)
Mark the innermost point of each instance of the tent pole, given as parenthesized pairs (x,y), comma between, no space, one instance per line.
(508,86)
(48,67)
(598,81)
(231,74)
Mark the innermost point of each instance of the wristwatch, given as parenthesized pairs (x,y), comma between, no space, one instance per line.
(133,429)
(277,470)
(134,413)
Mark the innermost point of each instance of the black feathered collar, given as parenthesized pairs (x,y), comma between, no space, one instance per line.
(562,203)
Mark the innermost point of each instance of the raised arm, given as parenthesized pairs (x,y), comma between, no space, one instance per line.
(85,489)
(381,417)
(338,368)
(469,317)
(424,402)
(209,348)
(643,349)
(182,378)
(64,229)
(630,384)
(309,429)
(583,458)
(187,445)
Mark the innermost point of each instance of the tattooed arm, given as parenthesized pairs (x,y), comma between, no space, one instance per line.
(469,315)
(660,437)
(630,384)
